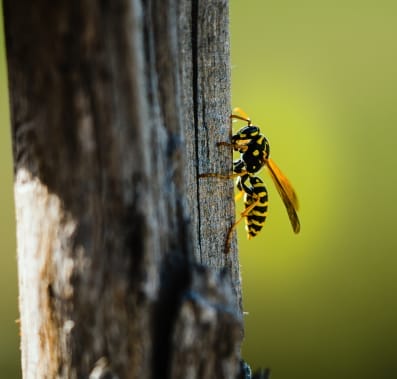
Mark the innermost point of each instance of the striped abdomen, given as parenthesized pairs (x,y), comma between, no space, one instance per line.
(256,203)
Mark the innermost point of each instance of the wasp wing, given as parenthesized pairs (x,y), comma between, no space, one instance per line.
(286,192)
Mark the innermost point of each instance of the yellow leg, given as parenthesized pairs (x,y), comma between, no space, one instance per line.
(243,214)
(241,148)
(221,176)
(239,195)
(228,144)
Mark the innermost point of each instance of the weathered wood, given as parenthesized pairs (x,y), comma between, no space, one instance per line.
(116,108)
(205,77)
(206,322)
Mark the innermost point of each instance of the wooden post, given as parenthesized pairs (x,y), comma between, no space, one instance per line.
(116,108)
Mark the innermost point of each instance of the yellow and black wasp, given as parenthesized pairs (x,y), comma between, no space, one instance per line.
(254,152)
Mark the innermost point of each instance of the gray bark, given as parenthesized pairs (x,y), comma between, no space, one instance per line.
(116,108)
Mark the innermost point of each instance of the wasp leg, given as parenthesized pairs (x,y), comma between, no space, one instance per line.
(234,146)
(221,176)
(239,195)
(228,144)
(243,214)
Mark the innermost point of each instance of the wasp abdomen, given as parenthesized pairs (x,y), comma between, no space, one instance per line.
(255,202)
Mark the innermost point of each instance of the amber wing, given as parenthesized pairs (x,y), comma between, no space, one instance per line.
(286,192)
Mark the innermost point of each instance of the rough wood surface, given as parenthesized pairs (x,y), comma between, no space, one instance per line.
(116,108)
(205,77)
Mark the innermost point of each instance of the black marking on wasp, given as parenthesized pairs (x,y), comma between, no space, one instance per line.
(254,152)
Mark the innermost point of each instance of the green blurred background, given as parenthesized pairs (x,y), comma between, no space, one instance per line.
(320,78)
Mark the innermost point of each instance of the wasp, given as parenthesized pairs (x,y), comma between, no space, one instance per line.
(254,151)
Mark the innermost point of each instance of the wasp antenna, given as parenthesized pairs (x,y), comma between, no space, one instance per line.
(238,113)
